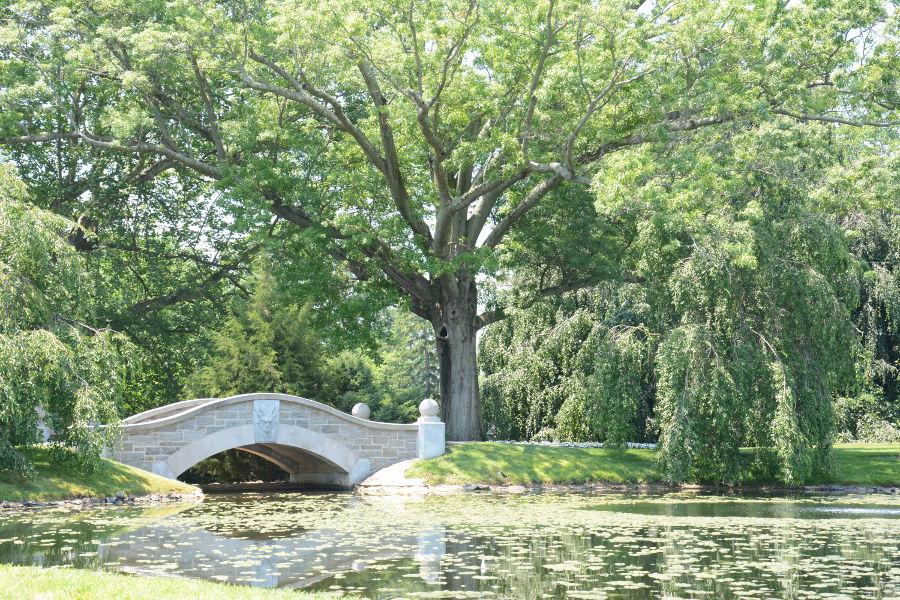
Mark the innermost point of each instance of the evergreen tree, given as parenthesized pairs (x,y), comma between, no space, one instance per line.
(407,369)
(267,344)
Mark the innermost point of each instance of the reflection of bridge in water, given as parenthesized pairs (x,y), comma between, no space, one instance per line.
(281,558)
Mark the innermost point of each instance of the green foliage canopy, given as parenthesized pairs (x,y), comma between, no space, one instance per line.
(404,143)
(742,325)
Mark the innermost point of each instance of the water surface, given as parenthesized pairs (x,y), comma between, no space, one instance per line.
(490,545)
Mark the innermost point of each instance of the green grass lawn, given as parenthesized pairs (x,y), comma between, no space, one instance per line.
(867,464)
(483,463)
(35,583)
(857,464)
(58,482)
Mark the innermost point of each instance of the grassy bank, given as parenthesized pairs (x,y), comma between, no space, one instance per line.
(58,482)
(510,463)
(867,465)
(857,465)
(33,583)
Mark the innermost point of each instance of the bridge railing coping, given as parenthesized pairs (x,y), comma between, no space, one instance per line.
(163,410)
(195,407)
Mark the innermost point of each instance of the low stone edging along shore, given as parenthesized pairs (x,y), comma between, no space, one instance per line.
(659,487)
(118,499)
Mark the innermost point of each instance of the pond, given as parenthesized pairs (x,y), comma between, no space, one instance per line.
(487,545)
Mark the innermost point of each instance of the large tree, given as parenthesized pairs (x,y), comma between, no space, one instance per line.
(405,141)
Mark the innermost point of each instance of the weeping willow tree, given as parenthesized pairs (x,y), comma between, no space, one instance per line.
(738,326)
(52,359)
(762,342)
(876,242)
(543,369)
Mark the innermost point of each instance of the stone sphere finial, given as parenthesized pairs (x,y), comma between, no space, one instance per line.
(361,411)
(429,409)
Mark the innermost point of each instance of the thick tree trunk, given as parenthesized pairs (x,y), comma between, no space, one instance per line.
(454,327)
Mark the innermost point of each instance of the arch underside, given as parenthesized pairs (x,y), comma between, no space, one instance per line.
(293,460)
(308,457)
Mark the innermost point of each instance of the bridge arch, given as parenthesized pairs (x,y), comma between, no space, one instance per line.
(335,462)
(315,443)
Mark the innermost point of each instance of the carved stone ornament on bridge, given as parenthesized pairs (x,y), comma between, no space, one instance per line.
(361,411)
(265,420)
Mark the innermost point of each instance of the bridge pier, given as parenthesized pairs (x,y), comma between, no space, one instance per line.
(334,478)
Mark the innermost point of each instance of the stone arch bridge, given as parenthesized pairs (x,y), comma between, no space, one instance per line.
(316,444)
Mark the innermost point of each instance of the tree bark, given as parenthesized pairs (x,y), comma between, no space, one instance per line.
(455,331)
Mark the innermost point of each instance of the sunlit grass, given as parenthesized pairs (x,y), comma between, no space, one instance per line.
(856,465)
(867,464)
(33,583)
(484,463)
(56,482)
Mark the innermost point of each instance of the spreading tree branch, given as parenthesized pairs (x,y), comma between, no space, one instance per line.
(498,314)
(840,121)
(530,200)
(392,160)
